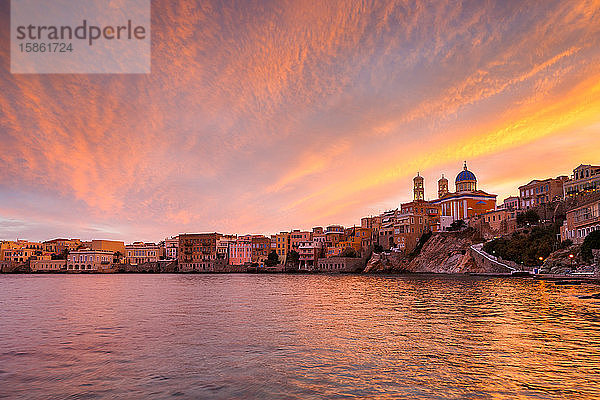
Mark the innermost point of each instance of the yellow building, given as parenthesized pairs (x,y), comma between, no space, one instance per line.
(108,245)
(282,245)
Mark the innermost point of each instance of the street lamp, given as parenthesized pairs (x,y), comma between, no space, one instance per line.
(572,257)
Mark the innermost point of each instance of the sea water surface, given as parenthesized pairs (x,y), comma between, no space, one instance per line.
(292,336)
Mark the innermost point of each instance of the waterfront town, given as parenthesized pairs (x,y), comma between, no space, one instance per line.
(570,203)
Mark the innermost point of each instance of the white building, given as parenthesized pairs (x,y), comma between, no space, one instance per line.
(171,248)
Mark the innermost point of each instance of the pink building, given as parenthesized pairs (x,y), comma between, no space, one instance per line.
(240,251)
(310,251)
(297,237)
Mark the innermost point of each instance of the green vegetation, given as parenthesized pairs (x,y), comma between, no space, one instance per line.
(591,242)
(272,259)
(422,240)
(62,256)
(349,252)
(529,217)
(525,247)
(293,257)
(377,248)
(457,225)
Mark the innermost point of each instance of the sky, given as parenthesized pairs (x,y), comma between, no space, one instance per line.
(263,116)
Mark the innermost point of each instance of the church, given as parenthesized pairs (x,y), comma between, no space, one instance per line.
(465,202)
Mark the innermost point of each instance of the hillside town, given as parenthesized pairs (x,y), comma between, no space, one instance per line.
(571,203)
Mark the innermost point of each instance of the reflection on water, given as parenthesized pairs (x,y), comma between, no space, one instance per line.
(274,336)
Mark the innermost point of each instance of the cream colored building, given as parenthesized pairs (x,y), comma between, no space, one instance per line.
(89,260)
(47,265)
(140,253)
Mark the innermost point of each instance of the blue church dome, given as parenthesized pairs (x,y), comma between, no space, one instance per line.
(465,175)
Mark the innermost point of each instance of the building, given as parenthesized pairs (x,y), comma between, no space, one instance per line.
(223,246)
(511,203)
(442,187)
(297,237)
(89,260)
(261,247)
(334,234)
(466,202)
(496,223)
(65,245)
(339,264)
(24,250)
(171,247)
(581,221)
(47,265)
(585,179)
(282,246)
(19,255)
(419,188)
(109,245)
(539,192)
(240,251)
(21,251)
(310,251)
(366,239)
(195,248)
(141,253)
(318,234)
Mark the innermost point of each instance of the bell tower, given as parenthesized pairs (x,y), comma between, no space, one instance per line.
(419,187)
(442,187)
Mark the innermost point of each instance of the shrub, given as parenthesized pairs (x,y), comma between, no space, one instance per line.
(524,248)
(591,242)
(349,252)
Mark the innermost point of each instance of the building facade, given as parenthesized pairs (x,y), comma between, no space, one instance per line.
(512,203)
(466,202)
(171,247)
(195,248)
(47,265)
(580,222)
(282,246)
(240,251)
(310,251)
(89,260)
(539,192)
(115,246)
(585,179)
(140,253)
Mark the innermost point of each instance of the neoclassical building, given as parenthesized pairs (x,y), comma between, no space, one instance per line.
(466,202)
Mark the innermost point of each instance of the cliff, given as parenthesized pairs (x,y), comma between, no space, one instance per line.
(444,252)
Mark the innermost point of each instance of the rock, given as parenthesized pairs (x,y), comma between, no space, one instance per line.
(444,252)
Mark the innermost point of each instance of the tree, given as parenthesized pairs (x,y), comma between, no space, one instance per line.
(62,255)
(591,242)
(457,225)
(422,240)
(524,247)
(272,259)
(349,252)
(117,257)
(377,248)
(529,217)
(293,258)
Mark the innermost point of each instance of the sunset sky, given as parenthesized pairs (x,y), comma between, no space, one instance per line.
(262,116)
